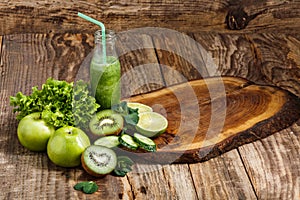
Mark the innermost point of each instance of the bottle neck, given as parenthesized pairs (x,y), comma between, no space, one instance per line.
(110,36)
(110,39)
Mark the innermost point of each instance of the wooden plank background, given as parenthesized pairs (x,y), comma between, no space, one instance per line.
(41,39)
(266,169)
(18,16)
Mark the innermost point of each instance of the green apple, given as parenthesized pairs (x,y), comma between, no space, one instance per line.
(34,132)
(66,145)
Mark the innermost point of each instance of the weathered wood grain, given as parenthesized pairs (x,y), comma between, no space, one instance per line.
(233,54)
(226,177)
(28,60)
(273,165)
(18,16)
(279,57)
(138,60)
(142,182)
(45,55)
(180,57)
(1,65)
(1,43)
(162,182)
(271,59)
(183,184)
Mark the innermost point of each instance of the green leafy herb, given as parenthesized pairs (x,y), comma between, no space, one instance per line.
(124,166)
(88,187)
(130,115)
(83,105)
(61,103)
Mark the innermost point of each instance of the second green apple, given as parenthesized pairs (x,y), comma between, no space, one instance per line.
(66,145)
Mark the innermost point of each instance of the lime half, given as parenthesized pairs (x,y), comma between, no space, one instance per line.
(142,107)
(151,124)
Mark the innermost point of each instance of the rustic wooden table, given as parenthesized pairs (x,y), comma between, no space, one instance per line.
(265,169)
(41,39)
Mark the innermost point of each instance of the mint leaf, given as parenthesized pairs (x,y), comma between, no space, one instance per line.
(90,188)
(130,115)
(124,165)
(132,119)
(79,186)
(121,108)
(87,187)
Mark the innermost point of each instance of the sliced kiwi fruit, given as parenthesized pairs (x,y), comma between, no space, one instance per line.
(98,160)
(106,122)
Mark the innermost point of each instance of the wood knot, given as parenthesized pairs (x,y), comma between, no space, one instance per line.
(143,190)
(237,19)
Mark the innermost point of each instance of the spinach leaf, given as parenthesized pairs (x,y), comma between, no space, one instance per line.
(87,187)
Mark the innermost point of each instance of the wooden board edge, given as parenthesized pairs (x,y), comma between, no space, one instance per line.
(283,119)
(263,129)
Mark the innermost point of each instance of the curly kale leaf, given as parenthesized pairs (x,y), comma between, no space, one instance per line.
(61,103)
(83,104)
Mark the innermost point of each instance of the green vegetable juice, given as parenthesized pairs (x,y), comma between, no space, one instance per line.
(105,81)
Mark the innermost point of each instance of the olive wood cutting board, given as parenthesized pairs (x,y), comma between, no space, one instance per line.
(211,116)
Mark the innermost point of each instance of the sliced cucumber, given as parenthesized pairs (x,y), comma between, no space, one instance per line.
(108,141)
(127,141)
(144,142)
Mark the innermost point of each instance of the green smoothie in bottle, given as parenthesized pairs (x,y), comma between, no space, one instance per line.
(105,73)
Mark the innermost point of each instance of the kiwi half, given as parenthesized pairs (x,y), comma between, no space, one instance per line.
(98,160)
(106,122)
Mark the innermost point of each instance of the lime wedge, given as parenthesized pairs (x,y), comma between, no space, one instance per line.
(151,124)
(142,107)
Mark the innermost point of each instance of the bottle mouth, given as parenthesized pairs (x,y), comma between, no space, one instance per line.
(109,35)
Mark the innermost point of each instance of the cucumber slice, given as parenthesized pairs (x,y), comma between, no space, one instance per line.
(108,141)
(144,142)
(127,141)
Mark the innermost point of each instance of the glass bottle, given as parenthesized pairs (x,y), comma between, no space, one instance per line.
(105,75)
